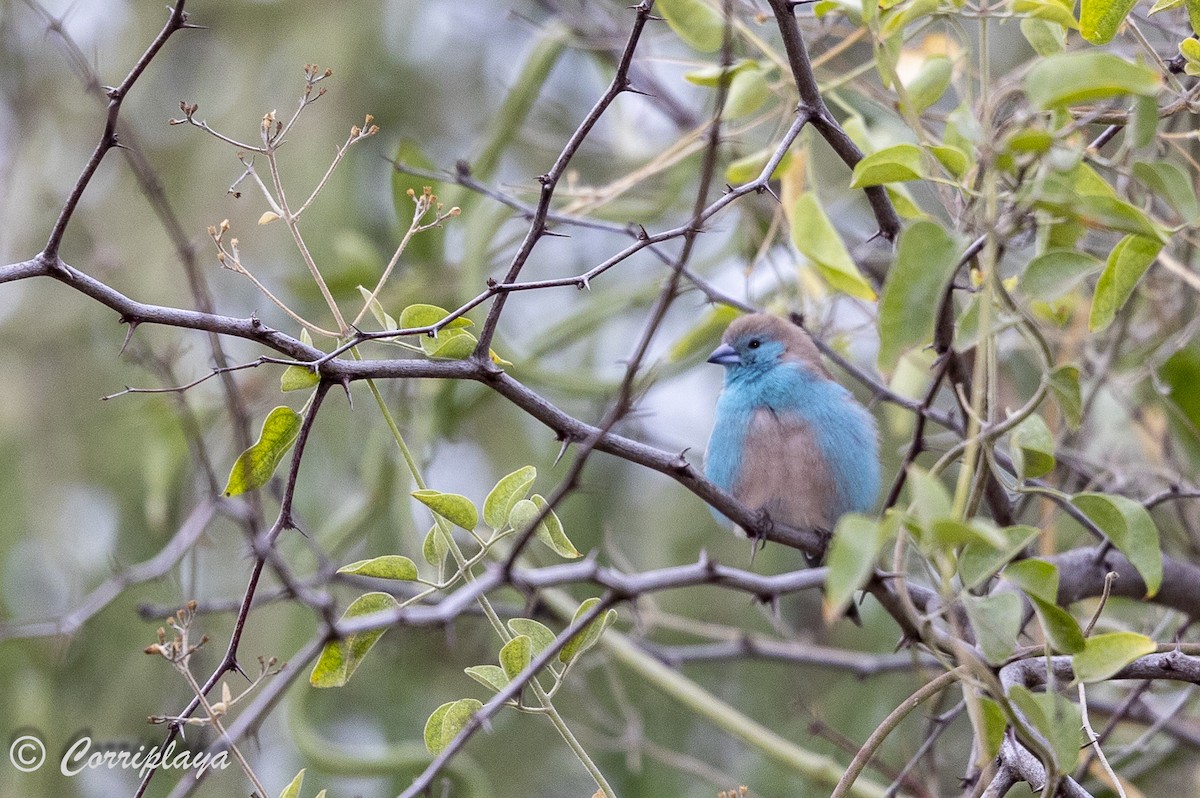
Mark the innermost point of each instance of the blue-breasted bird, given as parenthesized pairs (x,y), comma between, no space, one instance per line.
(787,438)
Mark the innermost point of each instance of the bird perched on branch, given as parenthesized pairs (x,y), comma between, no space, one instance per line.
(787,438)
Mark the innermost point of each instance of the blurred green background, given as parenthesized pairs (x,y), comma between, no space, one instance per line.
(90,487)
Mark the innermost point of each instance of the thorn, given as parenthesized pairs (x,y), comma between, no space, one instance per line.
(632,90)
(642,234)
(133,325)
(767,189)
(346,387)
(566,444)
(237,666)
(877,234)
(548,232)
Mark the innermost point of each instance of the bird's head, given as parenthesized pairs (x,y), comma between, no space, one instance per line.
(759,342)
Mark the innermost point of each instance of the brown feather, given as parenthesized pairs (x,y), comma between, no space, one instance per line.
(798,346)
(783,473)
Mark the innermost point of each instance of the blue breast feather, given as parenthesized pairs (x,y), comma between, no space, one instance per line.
(845,430)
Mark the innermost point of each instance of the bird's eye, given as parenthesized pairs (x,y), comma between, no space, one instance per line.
(754,343)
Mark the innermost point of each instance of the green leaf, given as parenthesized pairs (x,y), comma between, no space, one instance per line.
(1189,48)
(255,466)
(449,345)
(930,498)
(950,533)
(1061,628)
(1131,529)
(695,22)
(711,75)
(428,315)
(1046,38)
(895,164)
(1056,718)
(550,531)
(747,92)
(1037,578)
(1099,19)
(978,562)
(704,336)
(1106,654)
(458,510)
(293,789)
(856,543)
(384,319)
(434,548)
(447,721)
(954,160)
(749,167)
(817,239)
(997,622)
(1145,121)
(1181,376)
(1056,11)
(297,378)
(1167,181)
(1057,272)
(516,655)
(1128,261)
(898,18)
(588,636)
(492,677)
(926,260)
(930,83)
(508,491)
(389,566)
(995,724)
(1193,9)
(1033,448)
(1163,5)
(1083,77)
(1064,384)
(539,635)
(340,658)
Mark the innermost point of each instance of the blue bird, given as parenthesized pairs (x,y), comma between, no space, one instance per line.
(787,438)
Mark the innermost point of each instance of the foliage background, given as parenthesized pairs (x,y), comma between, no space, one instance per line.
(88,487)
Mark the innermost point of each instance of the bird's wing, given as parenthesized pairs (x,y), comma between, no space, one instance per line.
(784,472)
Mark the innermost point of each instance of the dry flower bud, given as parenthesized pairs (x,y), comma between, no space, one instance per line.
(224,225)
(455,211)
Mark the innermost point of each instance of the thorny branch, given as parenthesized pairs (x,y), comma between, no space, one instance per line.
(1082,572)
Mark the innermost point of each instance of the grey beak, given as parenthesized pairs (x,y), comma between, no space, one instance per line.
(725,355)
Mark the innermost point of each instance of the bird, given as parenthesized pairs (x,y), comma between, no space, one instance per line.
(788,440)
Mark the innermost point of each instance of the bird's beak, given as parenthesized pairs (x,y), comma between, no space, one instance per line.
(725,355)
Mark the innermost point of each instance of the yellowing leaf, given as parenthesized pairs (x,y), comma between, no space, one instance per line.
(268,217)
(817,239)
(255,466)
(895,164)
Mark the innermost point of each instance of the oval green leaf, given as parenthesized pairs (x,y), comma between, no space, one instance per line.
(492,677)
(297,378)
(1128,261)
(896,164)
(255,466)
(516,655)
(428,315)
(1083,77)
(458,510)
(1131,529)
(539,634)
(508,491)
(1104,655)
(447,721)
(389,566)
(1057,272)
(340,658)
(1099,19)
(695,22)
(587,637)
(856,543)
(926,260)
(817,239)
